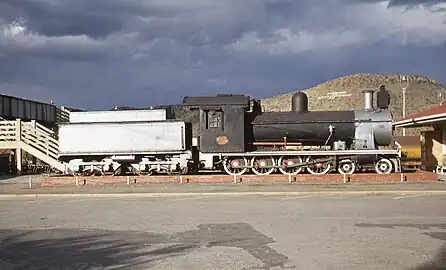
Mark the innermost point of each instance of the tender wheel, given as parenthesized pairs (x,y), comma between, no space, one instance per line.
(286,161)
(262,165)
(346,166)
(146,173)
(93,170)
(319,168)
(383,166)
(232,165)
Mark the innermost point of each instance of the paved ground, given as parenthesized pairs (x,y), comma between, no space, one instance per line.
(395,188)
(12,179)
(245,232)
(20,185)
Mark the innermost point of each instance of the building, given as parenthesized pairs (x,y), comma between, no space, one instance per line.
(433,141)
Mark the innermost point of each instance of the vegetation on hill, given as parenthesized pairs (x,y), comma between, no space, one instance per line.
(345,93)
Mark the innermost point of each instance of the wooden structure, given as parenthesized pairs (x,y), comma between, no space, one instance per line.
(33,138)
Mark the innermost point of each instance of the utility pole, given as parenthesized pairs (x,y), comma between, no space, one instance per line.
(404,82)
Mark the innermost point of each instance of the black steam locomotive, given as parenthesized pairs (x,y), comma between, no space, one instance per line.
(236,136)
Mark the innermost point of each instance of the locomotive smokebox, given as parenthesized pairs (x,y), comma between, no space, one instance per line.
(368,99)
(299,102)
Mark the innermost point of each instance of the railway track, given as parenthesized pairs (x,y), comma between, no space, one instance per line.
(419,176)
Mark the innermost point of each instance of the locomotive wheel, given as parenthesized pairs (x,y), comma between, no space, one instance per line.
(285,161)
(319,168)
(346,166)
(259,163)
(231,165)
(383,166)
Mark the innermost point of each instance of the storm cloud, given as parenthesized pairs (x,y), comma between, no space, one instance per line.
(103,53)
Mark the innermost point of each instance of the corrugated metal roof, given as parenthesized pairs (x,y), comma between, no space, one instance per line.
(429,112)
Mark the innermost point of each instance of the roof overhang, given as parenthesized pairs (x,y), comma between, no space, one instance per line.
(421,121)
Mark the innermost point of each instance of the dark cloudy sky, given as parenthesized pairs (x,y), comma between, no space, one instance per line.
(96,54)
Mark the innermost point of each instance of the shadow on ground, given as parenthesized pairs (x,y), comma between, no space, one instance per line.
(439,260)
(97,249)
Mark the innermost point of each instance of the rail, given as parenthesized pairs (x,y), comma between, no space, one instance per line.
(33,138)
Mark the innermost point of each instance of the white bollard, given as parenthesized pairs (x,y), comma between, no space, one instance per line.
(77,181)
(289,178)
(30,182)
(235,179)
(181,179)
(128,180)
(345,180)
(402,177)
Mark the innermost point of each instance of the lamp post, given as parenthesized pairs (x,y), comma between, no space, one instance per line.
(404,82)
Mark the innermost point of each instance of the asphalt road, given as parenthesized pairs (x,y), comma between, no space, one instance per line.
(244,232)
(19,188)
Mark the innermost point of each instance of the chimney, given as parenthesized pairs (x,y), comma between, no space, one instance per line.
(368,99)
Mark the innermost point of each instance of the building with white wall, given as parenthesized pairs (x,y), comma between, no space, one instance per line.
(433,141)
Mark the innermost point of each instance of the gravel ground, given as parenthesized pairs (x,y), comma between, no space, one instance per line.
(246,232)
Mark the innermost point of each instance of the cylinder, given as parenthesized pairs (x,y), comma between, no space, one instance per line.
(368,99)
(299,102)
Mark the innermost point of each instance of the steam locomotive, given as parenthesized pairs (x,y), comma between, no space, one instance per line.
(235,136)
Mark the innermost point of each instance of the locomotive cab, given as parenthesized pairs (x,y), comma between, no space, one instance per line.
(222,119)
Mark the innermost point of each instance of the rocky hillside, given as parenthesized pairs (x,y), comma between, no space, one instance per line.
(346,93)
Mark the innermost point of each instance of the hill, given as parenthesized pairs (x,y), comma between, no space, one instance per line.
(345,93)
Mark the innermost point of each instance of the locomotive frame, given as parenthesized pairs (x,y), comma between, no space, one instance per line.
(235,136)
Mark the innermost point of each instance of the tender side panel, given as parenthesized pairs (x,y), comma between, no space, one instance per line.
(110,138)
(118,116)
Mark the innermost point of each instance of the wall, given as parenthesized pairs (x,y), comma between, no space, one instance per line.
(443,141)
(434,147)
